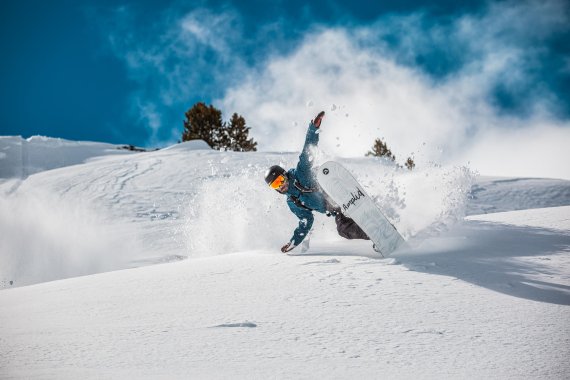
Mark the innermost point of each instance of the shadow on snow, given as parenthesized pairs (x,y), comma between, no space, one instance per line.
(524,262)
(518,261)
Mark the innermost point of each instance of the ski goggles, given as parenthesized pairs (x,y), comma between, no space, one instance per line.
(278,182)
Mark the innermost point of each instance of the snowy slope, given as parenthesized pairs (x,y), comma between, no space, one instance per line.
(471,305)
(485,296)
(20,157)
(90,218)
(124,211)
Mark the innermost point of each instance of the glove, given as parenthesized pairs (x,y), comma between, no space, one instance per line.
(318,119)
(288,247)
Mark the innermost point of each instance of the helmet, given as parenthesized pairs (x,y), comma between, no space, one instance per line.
(273,173)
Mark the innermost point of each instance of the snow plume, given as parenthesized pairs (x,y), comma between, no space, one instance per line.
(233,210)
(484,107)
(46,238)
(435,199)
(421,202)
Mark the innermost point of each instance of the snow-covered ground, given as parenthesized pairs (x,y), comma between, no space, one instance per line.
(21,157)
(486,295)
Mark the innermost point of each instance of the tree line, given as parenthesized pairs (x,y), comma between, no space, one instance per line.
(380,149)
(204,122)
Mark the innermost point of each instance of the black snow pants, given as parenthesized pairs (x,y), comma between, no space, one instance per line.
(348,229)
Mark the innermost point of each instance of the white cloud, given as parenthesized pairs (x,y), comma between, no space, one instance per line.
(175,59)
(211,29)
(152,118)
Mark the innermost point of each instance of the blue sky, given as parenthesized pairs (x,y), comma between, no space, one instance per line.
(125,71)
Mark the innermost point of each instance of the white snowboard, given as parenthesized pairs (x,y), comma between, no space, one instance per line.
(349,195)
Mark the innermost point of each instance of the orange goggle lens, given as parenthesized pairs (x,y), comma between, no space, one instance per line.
(277,182)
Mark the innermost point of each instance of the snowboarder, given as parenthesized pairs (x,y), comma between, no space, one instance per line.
(304,194)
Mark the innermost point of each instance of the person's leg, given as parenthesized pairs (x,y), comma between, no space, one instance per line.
(348,229)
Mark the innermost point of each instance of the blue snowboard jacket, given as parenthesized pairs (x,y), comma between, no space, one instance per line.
(304,195)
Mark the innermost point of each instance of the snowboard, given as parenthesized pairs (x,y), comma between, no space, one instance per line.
(348,194)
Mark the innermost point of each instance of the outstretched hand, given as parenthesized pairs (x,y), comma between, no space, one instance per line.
(288,247)
(318,119)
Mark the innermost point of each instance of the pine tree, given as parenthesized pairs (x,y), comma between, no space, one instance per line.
(380,149)
(410,164)
(238,135)
(203,123)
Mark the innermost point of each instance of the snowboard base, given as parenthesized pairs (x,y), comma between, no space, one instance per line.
(353,201)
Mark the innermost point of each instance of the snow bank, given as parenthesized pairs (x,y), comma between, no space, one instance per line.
(492,194)
(20,157)
(189,146)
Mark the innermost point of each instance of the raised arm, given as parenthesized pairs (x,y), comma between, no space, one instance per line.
(305,164)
